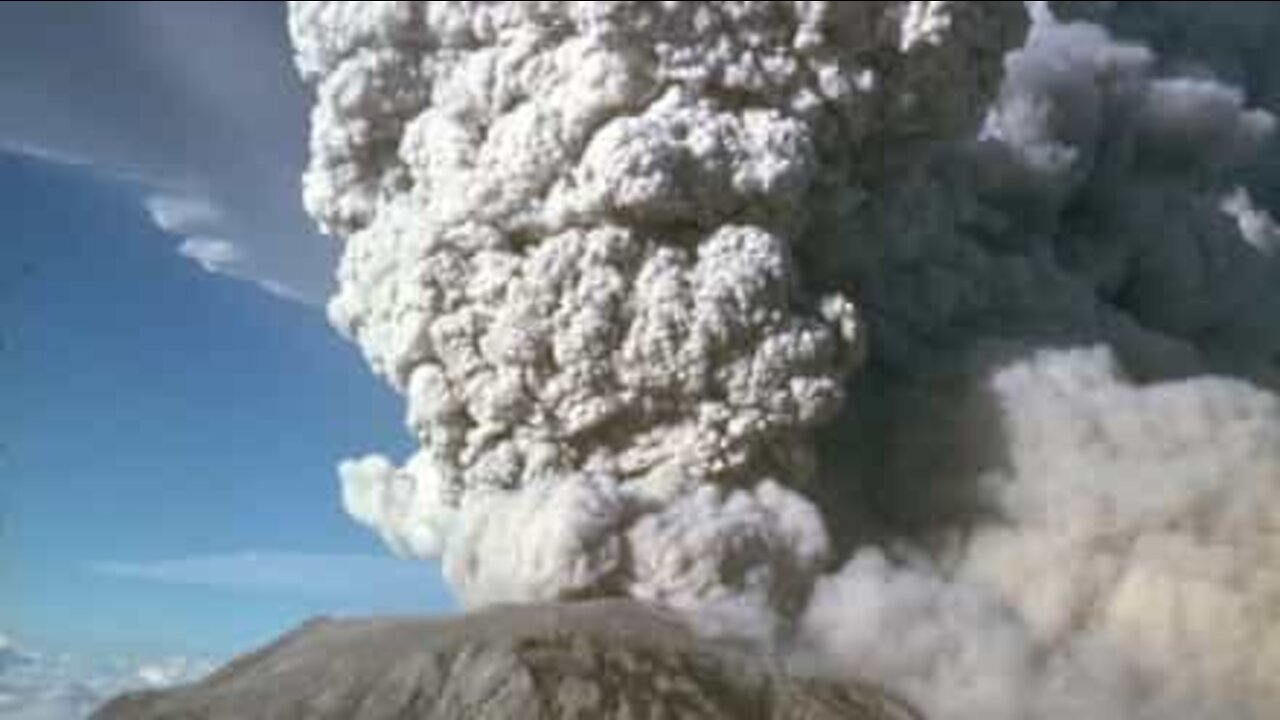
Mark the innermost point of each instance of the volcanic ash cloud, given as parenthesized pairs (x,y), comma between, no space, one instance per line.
(945,346)
(570,243)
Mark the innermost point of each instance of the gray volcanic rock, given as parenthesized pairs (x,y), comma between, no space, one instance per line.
(597,660)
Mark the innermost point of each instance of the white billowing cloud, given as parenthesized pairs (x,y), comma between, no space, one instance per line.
(576,546)
(306,574)
(831,320)
(1257,226)
(399,505)
(209,130)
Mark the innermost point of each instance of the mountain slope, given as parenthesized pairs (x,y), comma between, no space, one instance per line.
(610,659)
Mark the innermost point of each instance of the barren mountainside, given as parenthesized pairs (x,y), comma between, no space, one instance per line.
(608,659)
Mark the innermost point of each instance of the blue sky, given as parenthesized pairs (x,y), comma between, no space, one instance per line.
(196,103)
(168,434)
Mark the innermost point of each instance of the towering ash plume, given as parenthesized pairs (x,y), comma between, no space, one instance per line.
(571,242)
(694,302)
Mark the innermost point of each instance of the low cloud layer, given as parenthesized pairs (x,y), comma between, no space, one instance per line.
(41,686)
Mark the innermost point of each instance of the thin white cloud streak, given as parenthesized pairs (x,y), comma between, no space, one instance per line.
(211,119)
(337,576)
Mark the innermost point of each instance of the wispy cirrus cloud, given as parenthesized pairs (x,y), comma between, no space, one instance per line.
(335,576)
(209,129)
